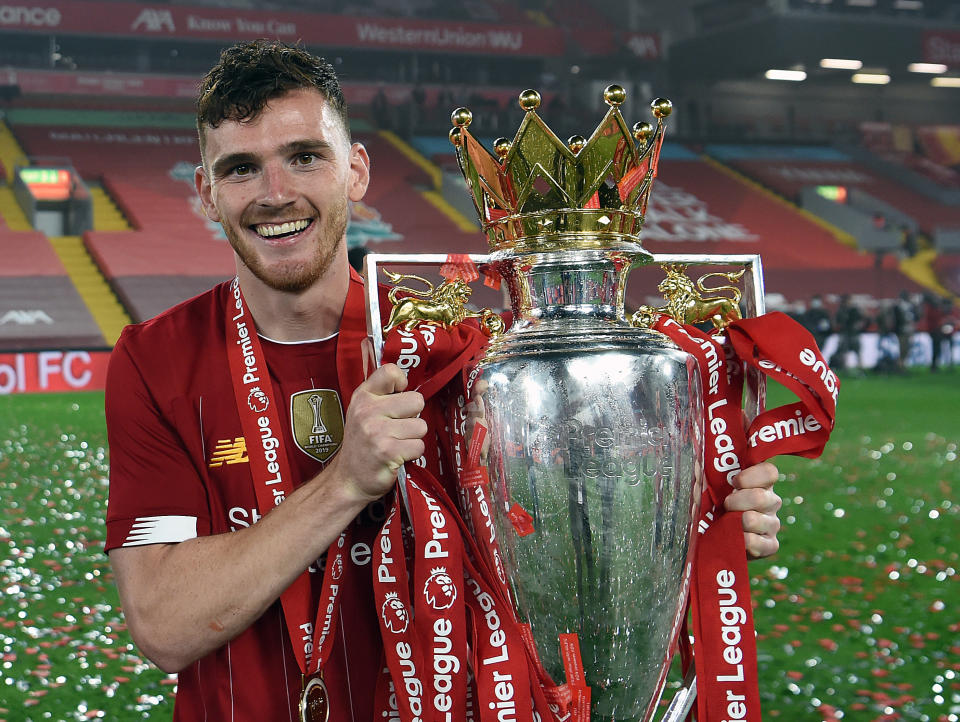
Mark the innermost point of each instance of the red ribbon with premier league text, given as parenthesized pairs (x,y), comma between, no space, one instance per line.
(312,641)
(722,617)
(457,606)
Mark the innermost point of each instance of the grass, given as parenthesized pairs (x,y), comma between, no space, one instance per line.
(857,615)
(66,651)
(858,612)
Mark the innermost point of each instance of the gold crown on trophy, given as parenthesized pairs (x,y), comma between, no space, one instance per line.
(538,193)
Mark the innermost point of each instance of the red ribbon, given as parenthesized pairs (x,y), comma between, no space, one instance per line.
(312,642)
(722,614)
(502,649)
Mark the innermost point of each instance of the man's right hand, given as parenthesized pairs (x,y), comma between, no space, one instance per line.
(382,431)
(184,600)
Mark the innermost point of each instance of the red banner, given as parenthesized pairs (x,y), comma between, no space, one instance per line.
(52,82)
(24,373)
(174,21)
(145,85)
(941,47)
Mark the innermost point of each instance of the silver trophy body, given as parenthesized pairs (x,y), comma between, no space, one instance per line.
(596,431)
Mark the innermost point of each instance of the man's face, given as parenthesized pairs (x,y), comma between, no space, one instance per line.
(279,184)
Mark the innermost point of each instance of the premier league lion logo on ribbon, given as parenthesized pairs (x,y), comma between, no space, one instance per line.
(257,400)
(394,614)
(439,589)
(337,570)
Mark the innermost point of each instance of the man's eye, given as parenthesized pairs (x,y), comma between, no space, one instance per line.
(305,159)
(242,170)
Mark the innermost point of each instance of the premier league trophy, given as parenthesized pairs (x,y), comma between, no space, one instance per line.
(595,420)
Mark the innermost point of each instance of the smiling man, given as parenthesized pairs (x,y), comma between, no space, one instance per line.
(245,441)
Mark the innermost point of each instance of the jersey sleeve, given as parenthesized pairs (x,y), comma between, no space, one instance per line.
(157,495)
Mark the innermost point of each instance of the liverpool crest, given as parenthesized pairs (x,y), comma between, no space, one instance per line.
(316,418)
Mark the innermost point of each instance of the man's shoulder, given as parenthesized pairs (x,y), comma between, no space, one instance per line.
(180,334)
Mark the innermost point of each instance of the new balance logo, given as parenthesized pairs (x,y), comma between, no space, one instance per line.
(229,452)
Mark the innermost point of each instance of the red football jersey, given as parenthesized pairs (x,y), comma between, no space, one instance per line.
(179,469)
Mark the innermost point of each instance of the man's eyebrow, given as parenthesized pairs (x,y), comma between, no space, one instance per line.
(299,146)
(224,163)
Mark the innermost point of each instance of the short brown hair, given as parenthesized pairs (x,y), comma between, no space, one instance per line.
(250,74)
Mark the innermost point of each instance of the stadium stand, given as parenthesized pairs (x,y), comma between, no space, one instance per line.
(947,267)
(899,144)
(116,101)
(40,307)
(698,206)
(171,252)
(878,210)
(789,169)
(941,144)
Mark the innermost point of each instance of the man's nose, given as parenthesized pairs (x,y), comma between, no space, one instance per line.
(277,186)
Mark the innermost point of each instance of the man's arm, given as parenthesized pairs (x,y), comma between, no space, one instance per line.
(184,600)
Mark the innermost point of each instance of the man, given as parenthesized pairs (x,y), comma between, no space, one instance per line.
(848,324)
(200,582)
(817,321)
(904,324)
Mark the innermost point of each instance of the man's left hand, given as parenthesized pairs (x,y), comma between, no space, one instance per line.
(753,494)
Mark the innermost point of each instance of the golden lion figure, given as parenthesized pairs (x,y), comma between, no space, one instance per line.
(444,305)
(687,304)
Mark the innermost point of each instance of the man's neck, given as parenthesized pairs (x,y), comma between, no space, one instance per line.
(303,316)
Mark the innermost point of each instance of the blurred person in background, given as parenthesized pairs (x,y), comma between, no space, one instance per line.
(888,358)
(355,257)
(817,321)
(936,316)
(904,325)
(216,580)
(848,323)
(796,310)
(951,324)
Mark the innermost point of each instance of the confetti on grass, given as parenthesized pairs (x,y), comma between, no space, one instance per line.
(65,651)
(857,615)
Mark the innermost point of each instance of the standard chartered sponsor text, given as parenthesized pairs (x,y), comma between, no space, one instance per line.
(29,16)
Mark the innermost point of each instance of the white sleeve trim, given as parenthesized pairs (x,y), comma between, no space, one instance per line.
(161,530)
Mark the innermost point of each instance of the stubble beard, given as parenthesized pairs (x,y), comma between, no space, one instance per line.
(293,276)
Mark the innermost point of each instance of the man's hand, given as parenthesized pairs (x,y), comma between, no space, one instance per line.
(476,412)
(382,431)
(754,496)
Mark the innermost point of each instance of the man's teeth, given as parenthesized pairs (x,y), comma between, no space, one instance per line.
(279,229)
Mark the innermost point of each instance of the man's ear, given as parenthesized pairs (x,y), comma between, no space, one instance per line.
(202,182)
(359,172)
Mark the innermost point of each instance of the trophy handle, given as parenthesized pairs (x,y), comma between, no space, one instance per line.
(755,391)
(683,701)
(755,396)
(371,265)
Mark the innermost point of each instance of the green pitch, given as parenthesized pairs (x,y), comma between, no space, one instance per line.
(858,615)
